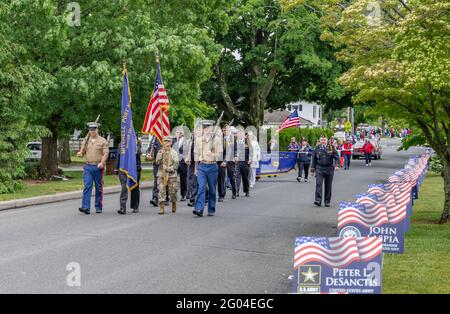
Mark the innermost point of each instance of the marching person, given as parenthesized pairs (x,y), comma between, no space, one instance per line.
(190,162)
(182,167)
(228,165)
(367,149)
(304,160)
(167,161)
(293,145)
(347,152)
(135,193)
(256,157)
(95,149)
(151,153)
(243,164)
(325,161)
(207,151)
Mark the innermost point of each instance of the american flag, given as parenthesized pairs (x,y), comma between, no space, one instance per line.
(357,213)
(335,252)
(292,120)
(157,118)
(396,212)
(369,247)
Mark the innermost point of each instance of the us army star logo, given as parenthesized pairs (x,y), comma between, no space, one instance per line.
(309,275)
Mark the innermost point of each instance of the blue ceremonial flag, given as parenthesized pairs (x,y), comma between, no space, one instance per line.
(128,143)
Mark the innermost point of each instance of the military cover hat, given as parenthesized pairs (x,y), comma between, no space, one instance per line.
(93,125)
(167,138)
(206,123)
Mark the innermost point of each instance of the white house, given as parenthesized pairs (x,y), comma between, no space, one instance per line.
(275,118)
(309,111)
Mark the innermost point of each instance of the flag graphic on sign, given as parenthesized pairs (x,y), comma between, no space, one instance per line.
(156,120)
(292,120)
(357,213)
(335,252)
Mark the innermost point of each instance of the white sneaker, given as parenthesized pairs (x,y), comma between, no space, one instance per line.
(367,165)
(252,186)
(370,164)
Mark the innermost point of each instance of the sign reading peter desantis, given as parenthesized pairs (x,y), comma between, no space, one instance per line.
(338,265)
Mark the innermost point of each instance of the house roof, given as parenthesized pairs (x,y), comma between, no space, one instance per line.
(278,116)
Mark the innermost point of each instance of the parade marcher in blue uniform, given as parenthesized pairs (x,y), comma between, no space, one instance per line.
(304,160)
(190,161)
(293,145)
(243,164)
(135,193)
(208,151)
(182,166)
(227,166)
(96,150)
(325,161)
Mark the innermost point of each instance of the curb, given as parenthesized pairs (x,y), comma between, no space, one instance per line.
(39,200)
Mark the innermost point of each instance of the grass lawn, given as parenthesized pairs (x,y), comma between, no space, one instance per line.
(424,267)
(53,187)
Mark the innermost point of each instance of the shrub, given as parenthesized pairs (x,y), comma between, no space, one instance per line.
(312,135)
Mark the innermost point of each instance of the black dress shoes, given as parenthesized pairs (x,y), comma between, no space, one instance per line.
(317,204)
(121,211)
(154,203)
(84,211)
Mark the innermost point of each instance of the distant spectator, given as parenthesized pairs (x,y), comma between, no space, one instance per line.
(367,149)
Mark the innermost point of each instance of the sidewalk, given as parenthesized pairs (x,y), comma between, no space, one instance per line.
(39,200)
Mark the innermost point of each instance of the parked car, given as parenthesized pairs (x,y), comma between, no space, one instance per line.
(376,153)
(35,150)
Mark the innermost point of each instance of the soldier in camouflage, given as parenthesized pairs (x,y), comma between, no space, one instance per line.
(167,160)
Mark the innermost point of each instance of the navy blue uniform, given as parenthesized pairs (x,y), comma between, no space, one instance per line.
(323,162)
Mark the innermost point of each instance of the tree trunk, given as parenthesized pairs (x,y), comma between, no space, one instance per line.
(49,160)
(64,151)
(446,176)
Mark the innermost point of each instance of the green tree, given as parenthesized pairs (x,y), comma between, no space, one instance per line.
(269,58)
(19,80)
(85,61)
(399,57)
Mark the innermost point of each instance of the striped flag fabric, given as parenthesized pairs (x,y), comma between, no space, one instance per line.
(395,212)
(335,252)
(291,121)
(156,120)
(369,247)
(357,213)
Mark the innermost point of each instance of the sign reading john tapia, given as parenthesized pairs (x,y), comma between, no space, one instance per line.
(338,265)
(360,220)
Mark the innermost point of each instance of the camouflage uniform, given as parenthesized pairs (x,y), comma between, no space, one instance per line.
(169,167)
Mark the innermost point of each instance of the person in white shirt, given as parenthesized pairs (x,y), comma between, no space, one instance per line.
(256,157)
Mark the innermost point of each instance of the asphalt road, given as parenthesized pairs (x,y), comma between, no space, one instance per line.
(246,248)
